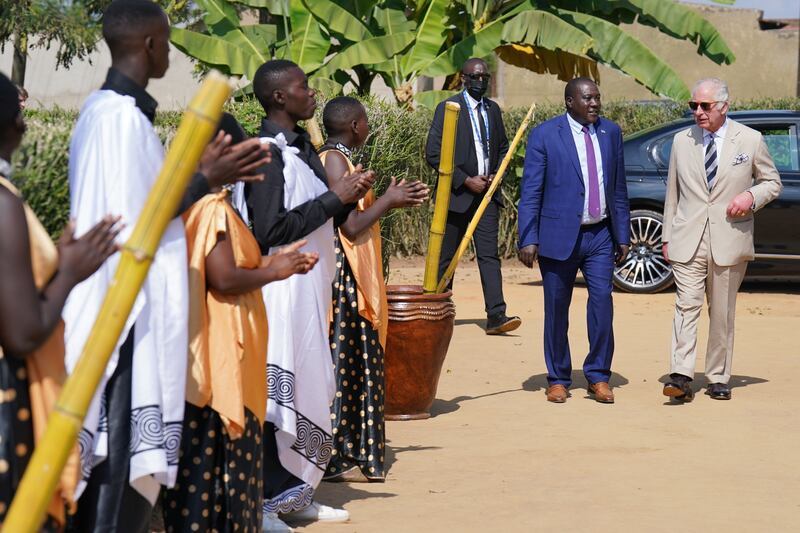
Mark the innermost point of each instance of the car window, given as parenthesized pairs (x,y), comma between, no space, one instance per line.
(781,142)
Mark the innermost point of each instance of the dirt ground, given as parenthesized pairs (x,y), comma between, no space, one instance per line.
(496,457)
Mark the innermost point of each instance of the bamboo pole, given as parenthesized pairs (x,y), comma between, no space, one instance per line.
(40,478)
(436,236)
(315,133)
(462,247)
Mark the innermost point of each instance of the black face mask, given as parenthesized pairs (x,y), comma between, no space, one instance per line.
(476,88)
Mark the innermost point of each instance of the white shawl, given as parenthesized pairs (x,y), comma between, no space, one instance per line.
(115,157)
(300,379)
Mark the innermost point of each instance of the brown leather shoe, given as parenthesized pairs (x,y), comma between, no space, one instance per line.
(557,393)
(602,392)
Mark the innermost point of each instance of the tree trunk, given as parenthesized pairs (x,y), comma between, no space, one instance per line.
(365,79)
(20,59)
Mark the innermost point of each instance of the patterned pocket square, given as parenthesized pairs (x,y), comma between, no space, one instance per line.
(741,158)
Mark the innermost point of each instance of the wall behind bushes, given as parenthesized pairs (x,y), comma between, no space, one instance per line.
(395,148)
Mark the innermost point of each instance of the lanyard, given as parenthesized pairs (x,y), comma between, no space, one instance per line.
(473,118)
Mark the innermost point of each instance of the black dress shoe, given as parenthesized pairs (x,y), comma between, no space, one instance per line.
(679,388)
(719,391)
(500,323)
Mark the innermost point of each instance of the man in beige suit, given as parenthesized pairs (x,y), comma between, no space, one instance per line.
(720,174)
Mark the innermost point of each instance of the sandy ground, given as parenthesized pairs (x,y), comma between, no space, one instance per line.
(496,457)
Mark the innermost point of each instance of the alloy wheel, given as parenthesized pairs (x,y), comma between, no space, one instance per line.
(644,270)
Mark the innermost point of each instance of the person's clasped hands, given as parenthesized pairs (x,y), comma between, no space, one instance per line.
(477,184)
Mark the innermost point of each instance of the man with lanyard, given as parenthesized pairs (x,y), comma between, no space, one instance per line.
(481,144)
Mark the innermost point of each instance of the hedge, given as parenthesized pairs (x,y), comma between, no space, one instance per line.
(395,148)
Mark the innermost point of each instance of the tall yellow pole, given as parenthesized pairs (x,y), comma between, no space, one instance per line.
(315,132)
(451,110)
(40,479)
(462,247)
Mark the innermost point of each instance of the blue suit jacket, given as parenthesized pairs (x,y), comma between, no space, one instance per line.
(552,192)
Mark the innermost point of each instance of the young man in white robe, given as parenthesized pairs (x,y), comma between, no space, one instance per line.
(293,202)
(131,436)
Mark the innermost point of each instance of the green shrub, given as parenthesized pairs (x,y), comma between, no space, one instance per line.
(395,148)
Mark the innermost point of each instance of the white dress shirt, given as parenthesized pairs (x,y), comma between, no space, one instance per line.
(580,144)
(483,163)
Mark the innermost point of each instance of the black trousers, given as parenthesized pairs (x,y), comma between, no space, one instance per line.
(485,240)
(109,504)
(277,479)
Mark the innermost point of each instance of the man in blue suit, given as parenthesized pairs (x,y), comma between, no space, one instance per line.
(574,214)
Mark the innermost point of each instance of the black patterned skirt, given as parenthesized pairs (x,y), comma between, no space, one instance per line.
(219,486)
(16,428)
(357,410)
(16,432)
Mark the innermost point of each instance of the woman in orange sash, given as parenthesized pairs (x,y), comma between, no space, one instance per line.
(360,314)
(35,279)
(219,485)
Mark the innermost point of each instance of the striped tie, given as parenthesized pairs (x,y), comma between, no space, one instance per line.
(711,162)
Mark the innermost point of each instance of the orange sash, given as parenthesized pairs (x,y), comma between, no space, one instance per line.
(364,256)
(227,333)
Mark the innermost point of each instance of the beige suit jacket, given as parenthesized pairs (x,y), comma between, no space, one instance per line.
(744,165)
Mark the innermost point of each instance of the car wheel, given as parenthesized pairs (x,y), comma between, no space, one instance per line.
(645,270)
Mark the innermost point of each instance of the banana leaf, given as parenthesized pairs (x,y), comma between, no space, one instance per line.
(360,8)
(391,21)
(261,35)
(430,38)
(431,99)
(623,52)
(545,30)
(252,42)
(668,16)
(220,16)
(543,61)
(337,19)
(370,51)
(479,44)
(682,22)
(328,87)
(309,46)
(214,51)
(275,7)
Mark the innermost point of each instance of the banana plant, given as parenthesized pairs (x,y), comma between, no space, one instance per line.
(569,38)
(227,44)
(340,42)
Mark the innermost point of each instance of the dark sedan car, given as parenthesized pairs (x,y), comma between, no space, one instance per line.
(777,233)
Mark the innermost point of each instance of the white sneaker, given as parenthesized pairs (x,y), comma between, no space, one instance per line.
(272,524)
(318,512)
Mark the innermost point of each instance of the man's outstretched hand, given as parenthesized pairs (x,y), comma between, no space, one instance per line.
(222,163)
